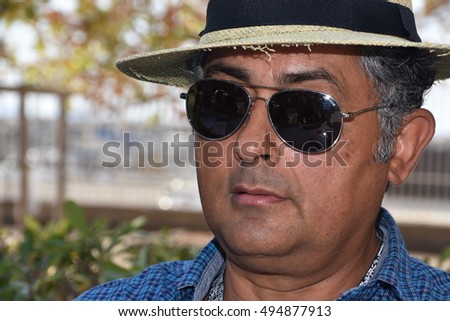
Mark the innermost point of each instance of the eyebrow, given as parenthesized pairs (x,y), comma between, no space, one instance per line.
(308,75)
(284,80)
(238,73)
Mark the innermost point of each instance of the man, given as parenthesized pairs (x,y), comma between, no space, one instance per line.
(312,109)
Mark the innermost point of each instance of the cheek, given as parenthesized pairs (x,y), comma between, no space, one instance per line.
(214,163)
(361,136)
(210,183)
(333,182)
(214,154)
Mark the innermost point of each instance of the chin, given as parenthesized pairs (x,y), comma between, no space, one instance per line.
(253,244)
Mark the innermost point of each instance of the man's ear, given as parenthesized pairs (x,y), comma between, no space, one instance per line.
(418,130)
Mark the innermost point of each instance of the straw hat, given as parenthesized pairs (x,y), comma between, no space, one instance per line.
(261,23)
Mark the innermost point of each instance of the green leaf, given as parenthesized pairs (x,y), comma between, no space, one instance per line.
(445,255)
(138,222)
(32,225)
(76,216)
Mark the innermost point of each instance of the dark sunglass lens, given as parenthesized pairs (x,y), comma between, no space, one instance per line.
(216,108)
(308,121)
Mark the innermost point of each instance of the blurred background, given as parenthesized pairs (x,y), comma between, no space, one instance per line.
(73,128)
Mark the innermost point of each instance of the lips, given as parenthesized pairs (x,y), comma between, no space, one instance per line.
(255,196)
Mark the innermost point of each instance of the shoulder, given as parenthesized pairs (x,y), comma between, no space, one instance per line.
(158,282)
(429,282)
(401,276)
(168,281)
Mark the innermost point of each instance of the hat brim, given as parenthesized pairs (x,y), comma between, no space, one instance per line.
(175,67)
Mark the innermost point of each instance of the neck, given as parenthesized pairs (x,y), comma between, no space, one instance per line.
(328,283)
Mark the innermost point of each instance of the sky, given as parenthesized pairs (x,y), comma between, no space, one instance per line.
(45,106)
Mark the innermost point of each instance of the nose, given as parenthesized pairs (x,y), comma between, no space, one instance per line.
(256,140)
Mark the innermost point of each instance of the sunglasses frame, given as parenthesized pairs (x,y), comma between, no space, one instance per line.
(251,100)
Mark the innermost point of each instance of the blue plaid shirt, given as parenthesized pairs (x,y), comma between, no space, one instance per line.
(398,276)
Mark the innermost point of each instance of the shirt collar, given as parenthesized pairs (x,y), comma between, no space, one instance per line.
(202,270)
(395,270)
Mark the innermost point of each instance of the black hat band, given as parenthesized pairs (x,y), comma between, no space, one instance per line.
(379,17)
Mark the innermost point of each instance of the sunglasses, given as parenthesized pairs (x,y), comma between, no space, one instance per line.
(307,121)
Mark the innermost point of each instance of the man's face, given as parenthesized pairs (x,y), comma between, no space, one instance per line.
(263,199)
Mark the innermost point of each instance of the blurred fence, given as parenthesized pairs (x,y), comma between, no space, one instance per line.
(431,177)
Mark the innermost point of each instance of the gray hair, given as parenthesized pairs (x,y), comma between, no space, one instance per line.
(401,78)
